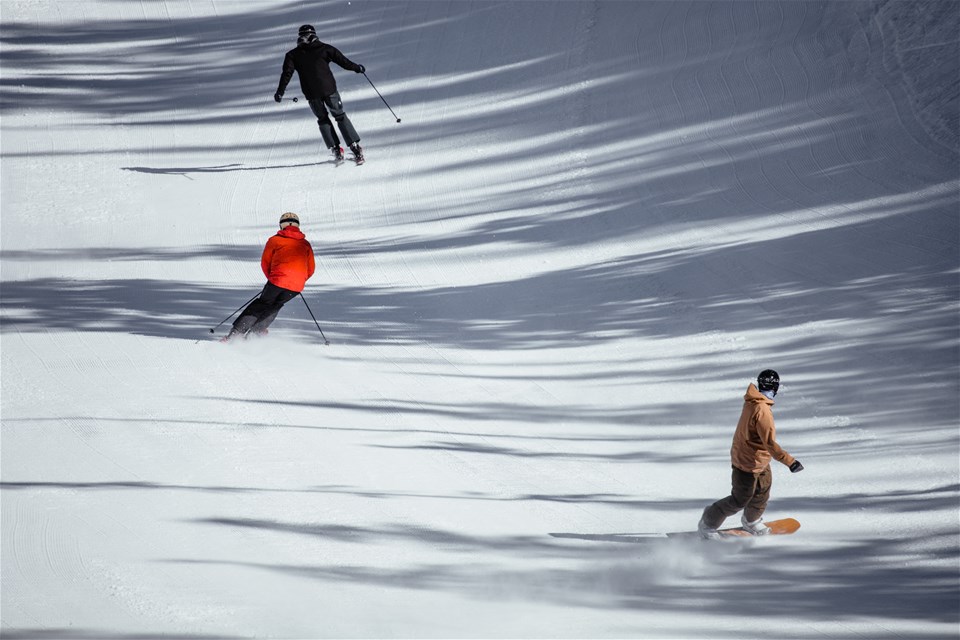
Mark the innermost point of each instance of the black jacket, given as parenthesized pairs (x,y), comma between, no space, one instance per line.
(311,60)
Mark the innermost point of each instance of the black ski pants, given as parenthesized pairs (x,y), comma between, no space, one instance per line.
(333,106)
(750,492)
(260,313)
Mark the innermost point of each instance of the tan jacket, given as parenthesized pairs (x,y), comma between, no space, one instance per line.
(755,441)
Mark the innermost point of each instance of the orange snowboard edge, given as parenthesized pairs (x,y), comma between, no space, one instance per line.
(781,527)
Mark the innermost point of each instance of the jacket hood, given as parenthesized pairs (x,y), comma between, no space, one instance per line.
(753,395)
(291,231)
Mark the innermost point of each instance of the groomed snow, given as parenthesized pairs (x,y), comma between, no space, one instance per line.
(546,292)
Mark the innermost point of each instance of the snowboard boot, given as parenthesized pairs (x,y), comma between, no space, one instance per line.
(757,527)
(337,154)
(707,533)
(357,152)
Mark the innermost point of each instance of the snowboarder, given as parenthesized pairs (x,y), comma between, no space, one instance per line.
(754,445)
(311,60)
(288,263)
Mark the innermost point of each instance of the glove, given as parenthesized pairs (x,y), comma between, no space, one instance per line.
(278,96)
(361,68)
(796,466)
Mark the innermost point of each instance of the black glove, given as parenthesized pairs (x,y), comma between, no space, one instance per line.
(796,466)
(361,68)
(278,96)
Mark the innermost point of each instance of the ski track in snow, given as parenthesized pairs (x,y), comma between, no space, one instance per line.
(545,291)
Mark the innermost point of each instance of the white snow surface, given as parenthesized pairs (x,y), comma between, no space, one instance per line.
(546,292)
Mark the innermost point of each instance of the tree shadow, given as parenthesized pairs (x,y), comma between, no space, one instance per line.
(141,307)
(225,168)
(238,253)
(73,633)
(708,163)
(631,538)
(728,179)
(843,582)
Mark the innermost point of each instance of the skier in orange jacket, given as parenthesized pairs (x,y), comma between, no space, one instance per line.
(288,263)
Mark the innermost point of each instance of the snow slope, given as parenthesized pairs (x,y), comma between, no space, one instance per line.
(546,292)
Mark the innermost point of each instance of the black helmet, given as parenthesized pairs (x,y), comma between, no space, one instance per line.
(306,30)
(768,380)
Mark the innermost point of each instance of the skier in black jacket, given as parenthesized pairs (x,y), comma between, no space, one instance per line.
(311,60)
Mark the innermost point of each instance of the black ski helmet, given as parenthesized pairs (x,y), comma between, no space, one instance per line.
(768,380)
(306,30)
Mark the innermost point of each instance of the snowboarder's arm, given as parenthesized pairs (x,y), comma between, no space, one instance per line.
(286,74)
(768,436)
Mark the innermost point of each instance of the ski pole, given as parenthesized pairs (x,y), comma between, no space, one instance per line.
(379,94)
(237,309)
(325,341)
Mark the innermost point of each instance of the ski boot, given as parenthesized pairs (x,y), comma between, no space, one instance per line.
(357,153)
(337,154)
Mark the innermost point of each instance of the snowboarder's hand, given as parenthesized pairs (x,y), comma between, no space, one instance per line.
(796,466)
(361,68)
(278,96)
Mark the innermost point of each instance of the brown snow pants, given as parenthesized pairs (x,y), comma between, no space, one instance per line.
(750,492)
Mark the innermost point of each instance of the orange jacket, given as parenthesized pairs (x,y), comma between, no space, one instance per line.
(287,259)
(755,440)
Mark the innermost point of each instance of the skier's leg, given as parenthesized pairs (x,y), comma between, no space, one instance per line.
(329,136)
(254,311)
(335,106)
(247,318)
(757,504)
(270,314)
(743,487)
(241,326)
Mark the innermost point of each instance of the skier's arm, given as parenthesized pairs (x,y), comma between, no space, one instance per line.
(768,437)
(267,258)
(286,74)
(311,264)
(342,60)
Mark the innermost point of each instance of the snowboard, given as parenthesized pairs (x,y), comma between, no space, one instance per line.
(782,527)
